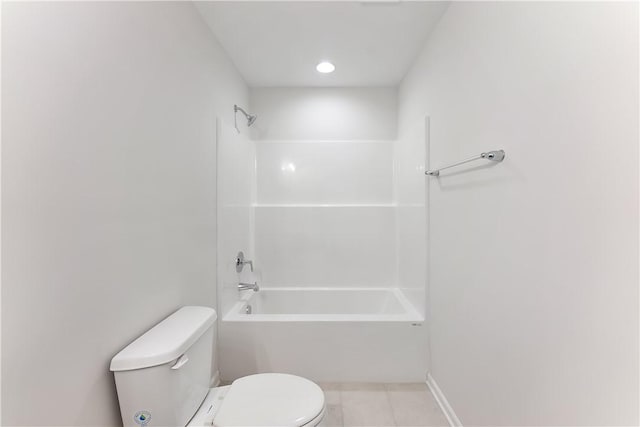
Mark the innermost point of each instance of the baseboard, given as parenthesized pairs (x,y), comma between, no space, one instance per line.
(453,419)
(215,379)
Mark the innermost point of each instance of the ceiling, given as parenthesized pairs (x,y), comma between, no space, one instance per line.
(280,43)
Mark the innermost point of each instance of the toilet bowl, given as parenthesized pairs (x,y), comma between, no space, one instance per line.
(163,377)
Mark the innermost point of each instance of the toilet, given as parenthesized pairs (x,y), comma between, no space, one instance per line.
(163,379)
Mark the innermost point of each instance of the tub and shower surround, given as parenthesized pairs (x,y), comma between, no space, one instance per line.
(325,241)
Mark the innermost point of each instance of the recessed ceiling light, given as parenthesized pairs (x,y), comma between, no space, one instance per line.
(325,67)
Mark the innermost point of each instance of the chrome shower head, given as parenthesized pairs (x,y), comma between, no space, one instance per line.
(251,118)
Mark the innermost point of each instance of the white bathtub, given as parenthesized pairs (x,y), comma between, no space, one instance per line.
(325,334)
(324,305)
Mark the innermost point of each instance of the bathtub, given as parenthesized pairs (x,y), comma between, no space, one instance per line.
(324,305)
(325,334)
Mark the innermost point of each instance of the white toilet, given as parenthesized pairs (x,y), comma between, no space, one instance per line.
(163,378)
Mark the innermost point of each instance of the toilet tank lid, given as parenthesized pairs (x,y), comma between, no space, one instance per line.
(166,341)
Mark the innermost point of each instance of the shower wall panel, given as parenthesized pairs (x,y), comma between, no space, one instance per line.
(325,213)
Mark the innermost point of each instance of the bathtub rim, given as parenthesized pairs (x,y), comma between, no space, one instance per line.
(410,315)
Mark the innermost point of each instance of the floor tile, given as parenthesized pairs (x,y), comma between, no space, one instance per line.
(362,386)
(414,405)
(333,416)
(331,393)
(408,387)
(366,405)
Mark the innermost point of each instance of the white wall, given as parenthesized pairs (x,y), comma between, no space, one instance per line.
(534,262)
(324,113)
(108,192)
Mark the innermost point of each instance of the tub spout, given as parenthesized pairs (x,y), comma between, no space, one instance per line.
(246,286)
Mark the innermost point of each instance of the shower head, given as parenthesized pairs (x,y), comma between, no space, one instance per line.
(251,118)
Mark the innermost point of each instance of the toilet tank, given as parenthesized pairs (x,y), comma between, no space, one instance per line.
(163,376)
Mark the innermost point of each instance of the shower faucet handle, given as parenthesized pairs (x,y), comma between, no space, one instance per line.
(240,262)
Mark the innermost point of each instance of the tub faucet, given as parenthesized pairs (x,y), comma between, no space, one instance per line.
(246,286)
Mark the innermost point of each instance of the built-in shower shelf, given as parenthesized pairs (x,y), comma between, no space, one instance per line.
(325,205)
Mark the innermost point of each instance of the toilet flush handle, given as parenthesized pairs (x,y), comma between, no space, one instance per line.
(182,360)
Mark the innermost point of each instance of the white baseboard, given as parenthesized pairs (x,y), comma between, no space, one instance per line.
(453,419)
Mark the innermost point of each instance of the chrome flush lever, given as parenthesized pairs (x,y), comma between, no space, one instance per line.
(240,262)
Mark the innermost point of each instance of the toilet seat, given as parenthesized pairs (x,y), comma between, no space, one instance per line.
(269,400)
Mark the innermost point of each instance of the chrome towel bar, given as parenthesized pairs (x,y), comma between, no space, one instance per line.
(494,156)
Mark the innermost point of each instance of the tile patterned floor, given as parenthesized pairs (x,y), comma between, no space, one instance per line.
(385,405)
